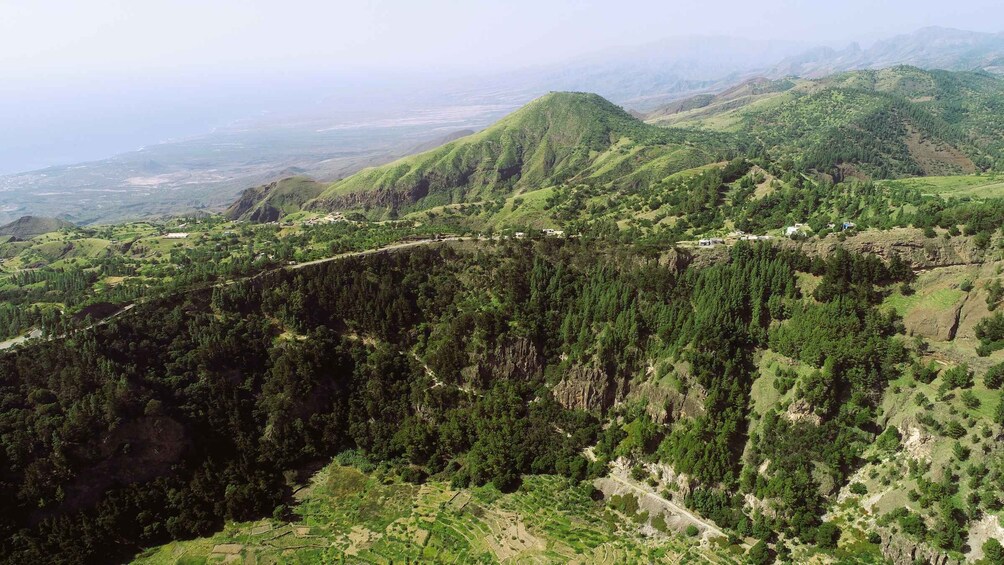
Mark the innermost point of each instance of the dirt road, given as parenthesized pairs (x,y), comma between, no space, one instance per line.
(708,526)
(36,333)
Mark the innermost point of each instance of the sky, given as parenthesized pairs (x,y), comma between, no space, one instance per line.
(81,78)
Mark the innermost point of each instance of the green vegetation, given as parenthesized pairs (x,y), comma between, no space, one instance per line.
(474,392)
(990,332)
(561,138)
(887,123)
(95,272)
(349,515)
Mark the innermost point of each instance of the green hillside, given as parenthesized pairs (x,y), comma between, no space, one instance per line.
(557,139)
(888,123)
(29,226)
(267,203)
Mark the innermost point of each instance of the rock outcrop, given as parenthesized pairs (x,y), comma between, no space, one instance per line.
(515,359)
(909,243)
(268,203)
(904,551)
(942,326)
(665,404)
(587,388)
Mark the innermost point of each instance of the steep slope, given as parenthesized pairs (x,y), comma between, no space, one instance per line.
(29,226)
(886,123)
(559,138)
(268,203)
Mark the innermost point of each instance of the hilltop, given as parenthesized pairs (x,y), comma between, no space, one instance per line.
(30,226)
(269,202)
(560,138)
(902,121)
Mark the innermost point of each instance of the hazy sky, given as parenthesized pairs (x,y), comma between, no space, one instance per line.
(83,79)
(75,37)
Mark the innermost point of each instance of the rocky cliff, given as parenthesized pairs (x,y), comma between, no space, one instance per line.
(589,388)
(909,243)
(268,203)
(515,359)
(901,550)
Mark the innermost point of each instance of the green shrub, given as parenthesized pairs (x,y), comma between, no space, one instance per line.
(993,552)
(960,451)
(659,523)
(990,332)
(925,374)
(994,377)
(954,429)
(827,535)
(889,439)
(759,554)
(958,376)
(912,524)
(970,400)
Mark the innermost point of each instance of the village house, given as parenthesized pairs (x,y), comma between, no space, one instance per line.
(797,229)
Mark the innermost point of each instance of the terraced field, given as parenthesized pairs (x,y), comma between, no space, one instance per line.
(347,516)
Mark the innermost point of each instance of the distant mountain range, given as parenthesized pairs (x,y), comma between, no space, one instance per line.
(927,48)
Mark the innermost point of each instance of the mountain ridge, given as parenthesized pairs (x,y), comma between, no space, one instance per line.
(897,121)
(932,47)
(30,226)
(560,137)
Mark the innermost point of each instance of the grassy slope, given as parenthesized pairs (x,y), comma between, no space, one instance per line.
(559,138)
(959,186)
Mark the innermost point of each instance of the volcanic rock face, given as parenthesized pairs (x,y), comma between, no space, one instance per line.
(941,326)
(587,388)
(516,359)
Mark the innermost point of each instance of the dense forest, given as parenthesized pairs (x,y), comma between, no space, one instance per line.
(196,408)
